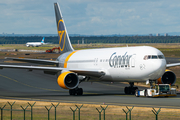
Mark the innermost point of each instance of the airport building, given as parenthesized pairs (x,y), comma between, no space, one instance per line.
(166,34)
(157,34)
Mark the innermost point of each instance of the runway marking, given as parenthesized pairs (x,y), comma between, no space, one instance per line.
(30,85)
(66,91)
(36,87)
(109,84)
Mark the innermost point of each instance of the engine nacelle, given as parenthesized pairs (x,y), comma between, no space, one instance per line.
(168,78)
(68,80)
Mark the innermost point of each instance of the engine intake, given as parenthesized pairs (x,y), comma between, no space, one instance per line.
(168,78)
(68,80)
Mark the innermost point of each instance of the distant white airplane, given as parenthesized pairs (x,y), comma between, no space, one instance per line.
(35,44)
(122,64)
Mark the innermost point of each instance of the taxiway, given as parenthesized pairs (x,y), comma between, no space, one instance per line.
(35,85)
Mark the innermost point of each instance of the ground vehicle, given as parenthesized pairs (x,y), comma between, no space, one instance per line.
(52,50)
(157,91)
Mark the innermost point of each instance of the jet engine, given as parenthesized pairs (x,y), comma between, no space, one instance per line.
(168,78)
(68,80)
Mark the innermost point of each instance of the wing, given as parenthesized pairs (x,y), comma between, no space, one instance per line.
(85,72)
(37,61)
(172,65)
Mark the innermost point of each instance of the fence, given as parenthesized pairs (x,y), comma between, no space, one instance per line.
(63,111)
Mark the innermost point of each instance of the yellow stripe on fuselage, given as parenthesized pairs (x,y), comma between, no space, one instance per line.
(66,60)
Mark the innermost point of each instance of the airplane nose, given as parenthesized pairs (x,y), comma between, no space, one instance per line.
(159,68)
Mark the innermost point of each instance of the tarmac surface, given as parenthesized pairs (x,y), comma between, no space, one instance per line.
(35,85)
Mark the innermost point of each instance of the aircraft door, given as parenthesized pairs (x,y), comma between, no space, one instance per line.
(95,61)
(133,60)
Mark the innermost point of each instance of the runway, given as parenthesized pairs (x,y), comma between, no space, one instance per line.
(35,85)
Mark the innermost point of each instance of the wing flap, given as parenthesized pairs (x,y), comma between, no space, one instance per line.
(32,67)
(85,72)
(37,61)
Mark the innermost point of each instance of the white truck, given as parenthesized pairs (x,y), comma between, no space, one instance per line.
(157,90)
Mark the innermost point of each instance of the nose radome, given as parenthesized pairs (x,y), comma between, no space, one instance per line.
(160,67)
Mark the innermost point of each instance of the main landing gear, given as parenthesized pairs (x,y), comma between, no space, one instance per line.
(131,89)
(76,91)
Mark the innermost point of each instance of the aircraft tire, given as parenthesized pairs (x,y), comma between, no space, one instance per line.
(133,90)
(126,90)
(79,91)
(129,90)
(72,92)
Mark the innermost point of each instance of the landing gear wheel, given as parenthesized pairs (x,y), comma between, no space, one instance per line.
(131,89)
(72,92)
(79,91)
(136,93)
(127,90)
(134,90)
(76,91)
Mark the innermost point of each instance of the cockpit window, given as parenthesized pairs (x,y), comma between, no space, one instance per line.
(154,57)
(149,56)
(146,57)
(160,56)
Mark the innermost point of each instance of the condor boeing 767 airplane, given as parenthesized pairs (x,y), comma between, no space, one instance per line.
(123,64)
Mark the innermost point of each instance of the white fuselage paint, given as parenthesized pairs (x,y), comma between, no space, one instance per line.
(34,44)
(124,64)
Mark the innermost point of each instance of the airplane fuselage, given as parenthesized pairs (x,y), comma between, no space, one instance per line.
(123,64)
(34,44)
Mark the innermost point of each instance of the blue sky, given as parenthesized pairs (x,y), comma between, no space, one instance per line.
(91,17)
